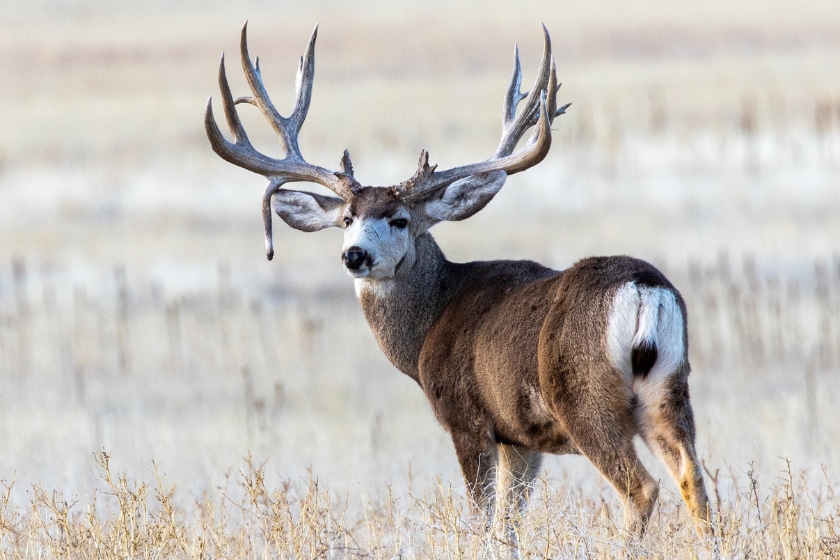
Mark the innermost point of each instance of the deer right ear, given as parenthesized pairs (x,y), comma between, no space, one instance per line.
(307,211)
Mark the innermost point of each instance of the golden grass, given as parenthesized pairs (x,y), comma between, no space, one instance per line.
(791,517)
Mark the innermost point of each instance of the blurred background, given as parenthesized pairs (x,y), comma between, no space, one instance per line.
(138,313)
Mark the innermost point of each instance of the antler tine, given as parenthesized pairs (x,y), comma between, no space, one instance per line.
(242,153)
(273,186)
(553,86)
(239,152)
(231,116)
(514,96)
(539,110)
(303,83)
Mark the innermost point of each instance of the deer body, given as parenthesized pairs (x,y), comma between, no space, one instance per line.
(515,358)
(504,352)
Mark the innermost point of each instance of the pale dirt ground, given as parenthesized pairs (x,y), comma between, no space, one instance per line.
(699,134)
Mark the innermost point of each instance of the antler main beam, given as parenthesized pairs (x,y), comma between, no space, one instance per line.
(241,152)
(540,109)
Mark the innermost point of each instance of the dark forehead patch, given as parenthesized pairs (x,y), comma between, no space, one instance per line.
(375,202)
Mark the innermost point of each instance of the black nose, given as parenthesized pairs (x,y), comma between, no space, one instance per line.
(354,258)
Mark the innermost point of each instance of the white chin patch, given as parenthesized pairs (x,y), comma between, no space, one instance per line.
(363,272)
(373,273)
(378,287)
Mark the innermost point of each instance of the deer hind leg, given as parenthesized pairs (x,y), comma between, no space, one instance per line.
(515,474)
(602,429)
(666,423)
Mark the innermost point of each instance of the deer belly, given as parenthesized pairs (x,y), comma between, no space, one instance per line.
(525,420)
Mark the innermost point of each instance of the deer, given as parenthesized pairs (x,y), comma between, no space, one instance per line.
(516,359)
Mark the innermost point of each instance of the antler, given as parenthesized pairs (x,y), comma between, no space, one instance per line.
(241,152)
(540,109)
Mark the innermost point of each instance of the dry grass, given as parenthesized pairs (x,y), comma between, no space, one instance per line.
(137,314)
(197,379)
(249,518)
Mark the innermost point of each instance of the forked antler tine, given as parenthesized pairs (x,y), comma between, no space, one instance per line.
(553,110)
(261,98)
(426,180)
(287,128)
(241,152)
(537,147)
(514,128)
(236,154)
(540,109)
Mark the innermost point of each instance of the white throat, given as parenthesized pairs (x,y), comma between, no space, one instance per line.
(371,285)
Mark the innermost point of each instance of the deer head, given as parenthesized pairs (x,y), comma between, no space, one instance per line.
(380,223)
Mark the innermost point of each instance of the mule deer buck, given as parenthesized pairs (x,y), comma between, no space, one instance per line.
(515,358)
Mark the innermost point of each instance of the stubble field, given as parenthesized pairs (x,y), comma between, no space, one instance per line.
(169,393)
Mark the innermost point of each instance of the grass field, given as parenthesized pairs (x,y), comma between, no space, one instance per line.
(169,393)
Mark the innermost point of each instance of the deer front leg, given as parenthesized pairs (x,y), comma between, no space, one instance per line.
(478,456)
(515,474)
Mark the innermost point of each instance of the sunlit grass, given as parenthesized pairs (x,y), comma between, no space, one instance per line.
(787,517)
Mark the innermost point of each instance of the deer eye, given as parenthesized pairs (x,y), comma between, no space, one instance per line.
(347,222)
(400,223)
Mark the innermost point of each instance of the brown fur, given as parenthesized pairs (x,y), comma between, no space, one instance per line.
(512,355)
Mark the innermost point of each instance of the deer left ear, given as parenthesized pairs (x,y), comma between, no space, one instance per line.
(307,211)
(465,197)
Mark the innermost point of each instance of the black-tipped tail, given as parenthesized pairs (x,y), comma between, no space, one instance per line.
(643,357)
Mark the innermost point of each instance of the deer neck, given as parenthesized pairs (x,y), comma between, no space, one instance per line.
(401,310)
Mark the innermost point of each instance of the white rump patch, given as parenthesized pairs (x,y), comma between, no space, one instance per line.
(622,327)
(643,314)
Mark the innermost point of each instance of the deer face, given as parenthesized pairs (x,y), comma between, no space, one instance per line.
(378,234)
(379,226)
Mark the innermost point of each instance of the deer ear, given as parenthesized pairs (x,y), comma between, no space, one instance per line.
(465,197)
(307,211)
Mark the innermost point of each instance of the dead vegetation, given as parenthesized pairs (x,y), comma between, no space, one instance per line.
(790,517)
